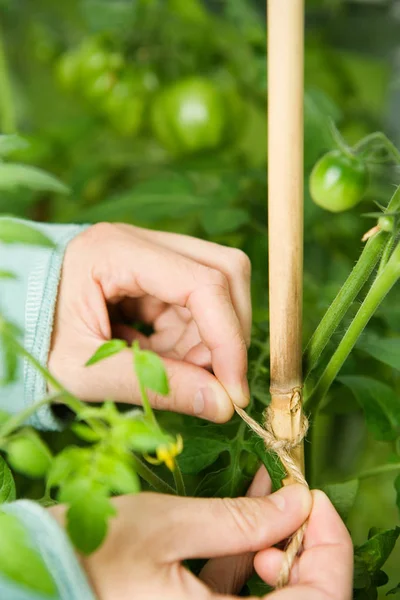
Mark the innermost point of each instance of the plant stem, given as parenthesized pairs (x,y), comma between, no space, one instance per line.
(151,478)
(379,289)
(346,296)
(388,468)
(18,420)
(381,138)
(350,289)
(7,112)
(148,411)
(386,253)
(179,483)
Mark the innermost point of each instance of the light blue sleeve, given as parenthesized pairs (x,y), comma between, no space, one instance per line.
(48,538)
(29,302)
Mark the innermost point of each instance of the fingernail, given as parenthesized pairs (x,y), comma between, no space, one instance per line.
(240,395)
(205,402)
(292,498)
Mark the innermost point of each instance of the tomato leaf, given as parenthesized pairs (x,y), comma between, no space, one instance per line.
(20,562)
(106,350)
(199,453)
(7,485)
(394,591)
(13,231)
(342,496)
(11,143)
(88,514)
(13,175)
(150,371)
(386,350)
(375,552)
(379,403)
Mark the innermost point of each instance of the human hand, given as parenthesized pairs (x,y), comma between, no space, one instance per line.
(152,534)
(323,571)
(195,295)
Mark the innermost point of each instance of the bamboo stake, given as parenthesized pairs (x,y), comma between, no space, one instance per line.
(285,215)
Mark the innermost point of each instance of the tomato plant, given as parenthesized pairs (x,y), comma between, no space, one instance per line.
(153,113)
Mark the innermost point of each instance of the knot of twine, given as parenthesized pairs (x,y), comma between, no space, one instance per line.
(284,450)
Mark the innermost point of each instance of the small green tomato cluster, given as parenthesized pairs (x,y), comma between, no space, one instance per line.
(103,79)
(189,115)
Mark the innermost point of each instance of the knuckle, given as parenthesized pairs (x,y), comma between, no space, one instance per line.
(215,277)
(240,262)
(244,516)
(101,231)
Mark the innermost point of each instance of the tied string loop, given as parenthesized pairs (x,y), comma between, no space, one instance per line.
(284,450)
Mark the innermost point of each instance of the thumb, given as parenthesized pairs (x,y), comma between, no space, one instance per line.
(193,390)
(203,528)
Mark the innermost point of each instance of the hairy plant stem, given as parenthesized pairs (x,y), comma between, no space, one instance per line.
(7,112)
(150,477)
(344,299)
(381,242)
(19,419)
(379,289)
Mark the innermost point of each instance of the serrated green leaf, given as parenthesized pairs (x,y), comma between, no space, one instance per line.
(223,220)
(342,496)
(88,515)
(13,176)
(386,350)
(380,404)
(106,350)
(13,231)
(11,143)
(270,461)
(199,453)
(7,485)
(19,561)
(150,371)
(375,552)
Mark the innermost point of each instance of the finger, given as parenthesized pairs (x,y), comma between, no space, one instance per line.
(327,560)
(145,310)
(228,574)
(227,527)
(193,390)
(233,263)
(175,279)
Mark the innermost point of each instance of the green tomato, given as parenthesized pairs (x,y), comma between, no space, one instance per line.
(29,455)
(338,182)
(386,223)
(124,107)
(189,116)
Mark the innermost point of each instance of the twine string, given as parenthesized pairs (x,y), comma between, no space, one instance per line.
(284,450)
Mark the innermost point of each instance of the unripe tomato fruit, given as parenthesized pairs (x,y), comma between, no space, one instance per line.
(338,182)
(28,456)
(385,223)
(189,116)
